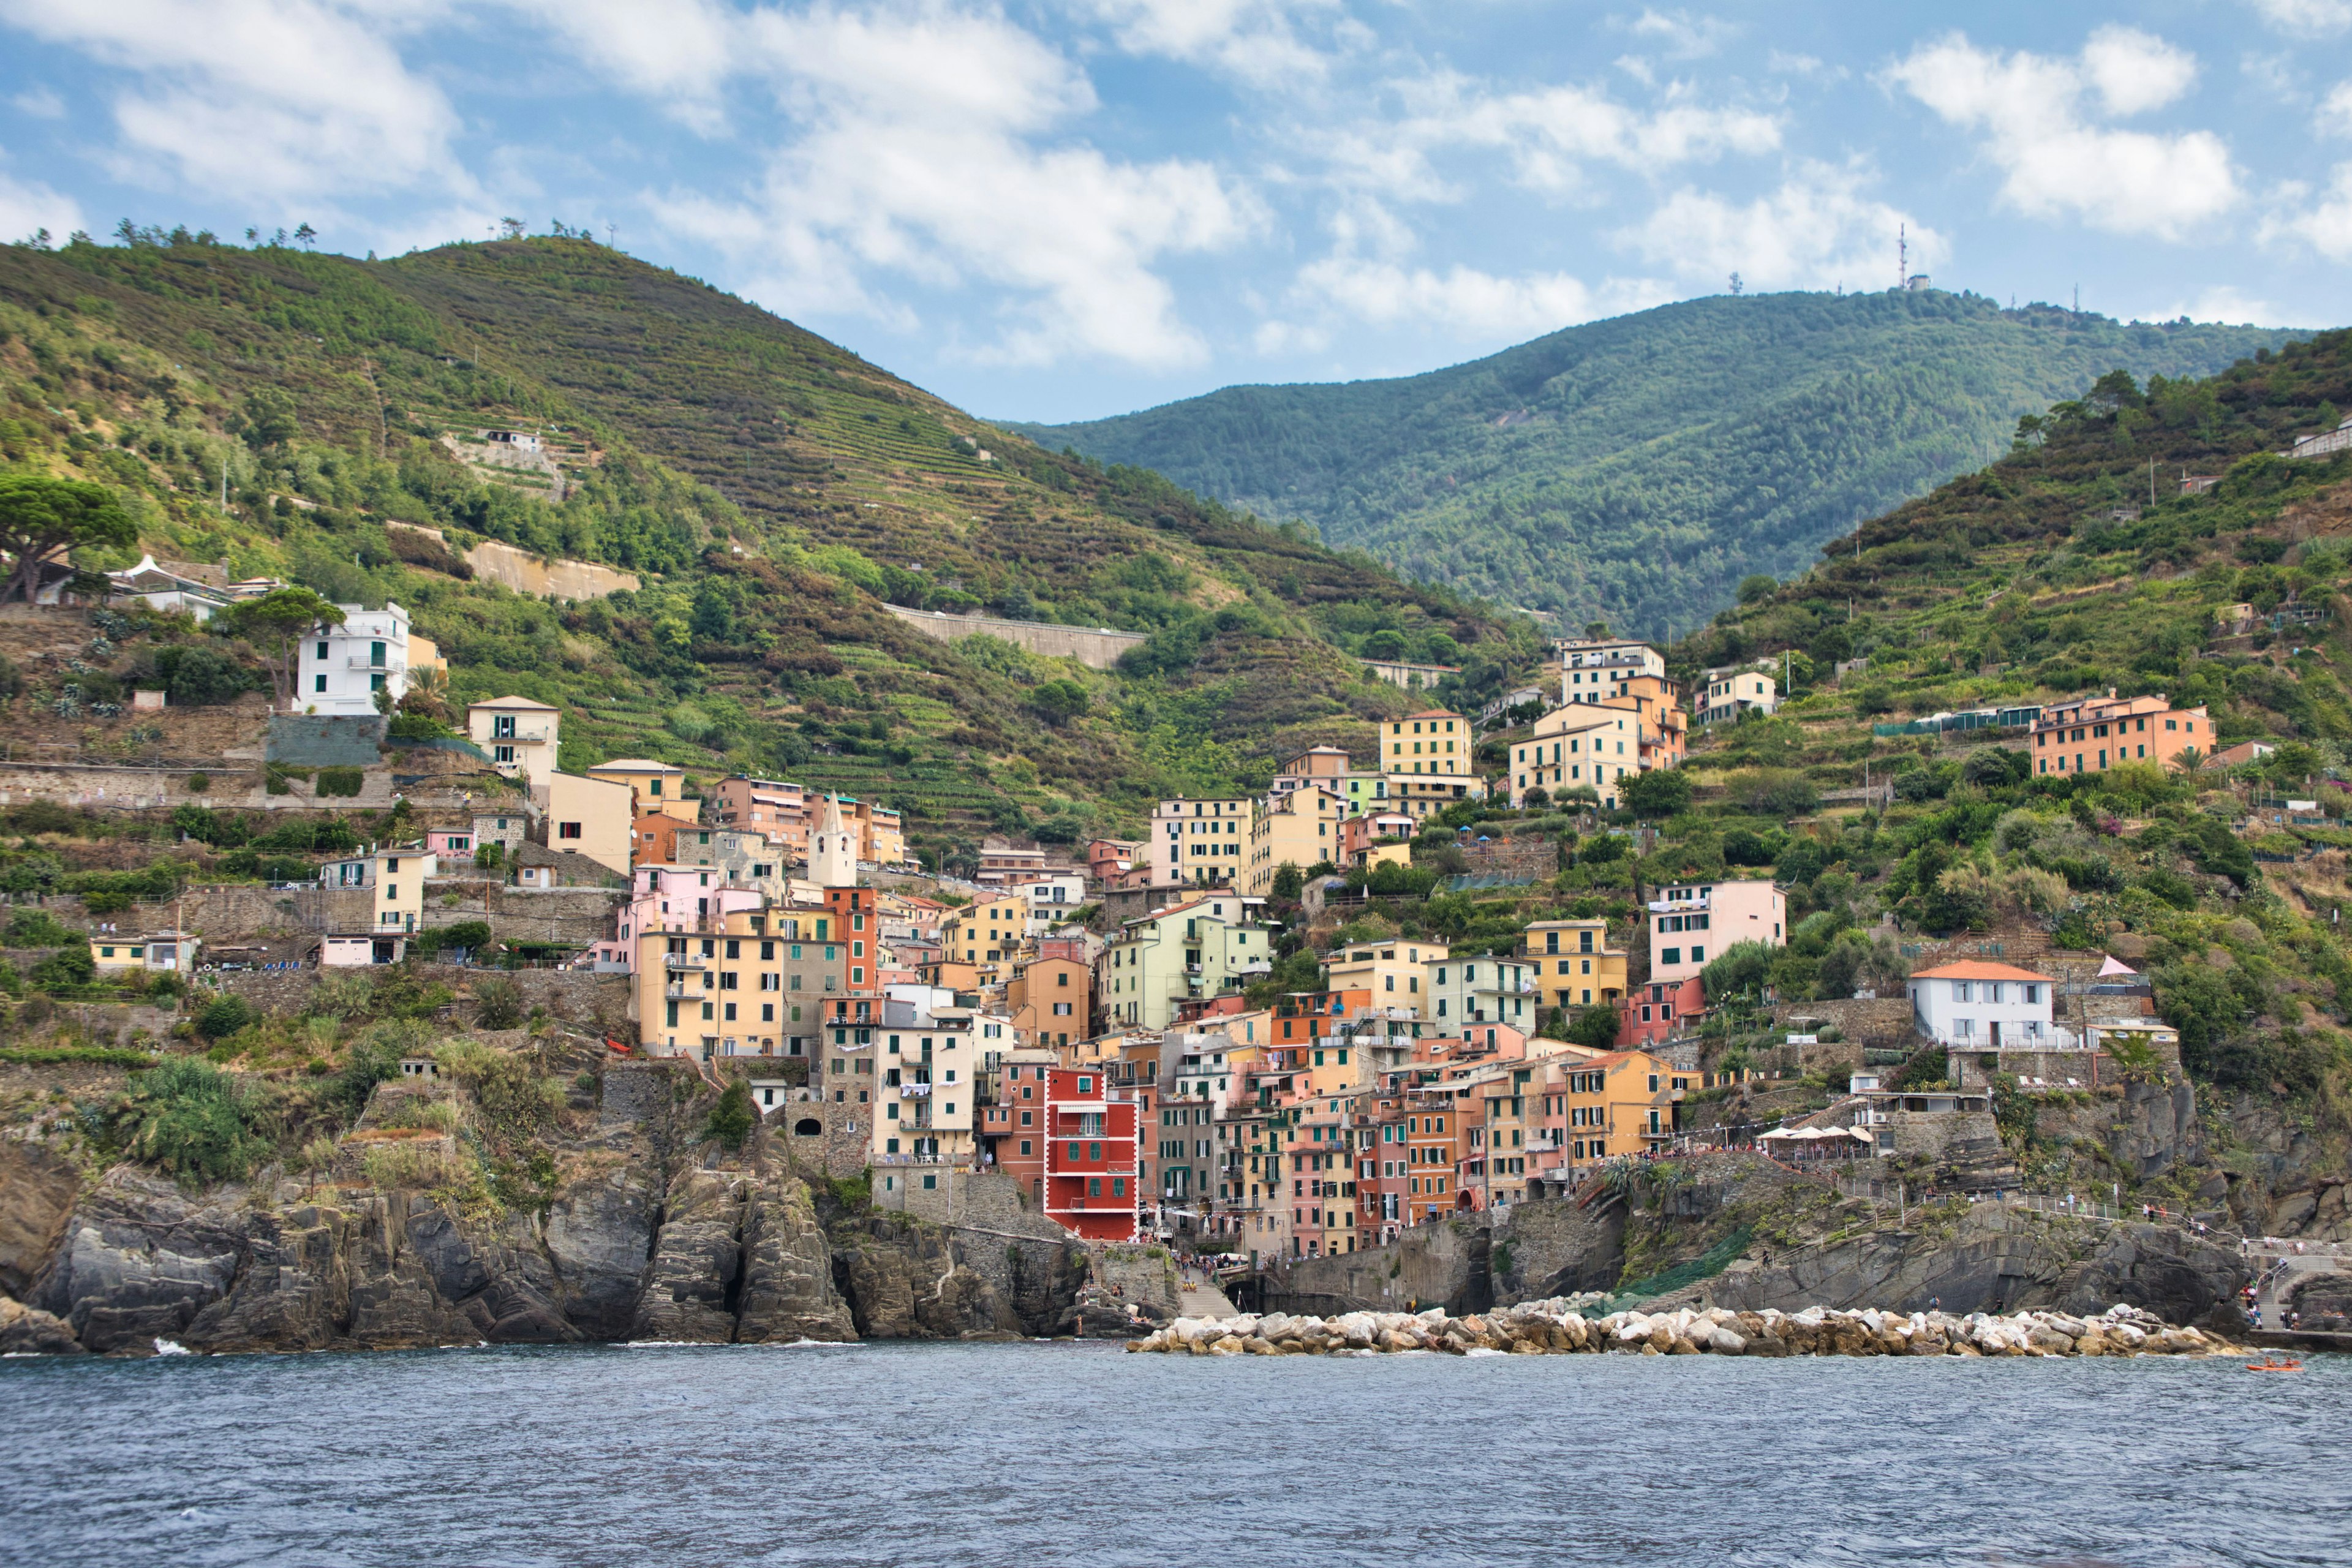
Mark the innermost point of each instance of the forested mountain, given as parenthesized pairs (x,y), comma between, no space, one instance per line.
(773,490)
(1636,469)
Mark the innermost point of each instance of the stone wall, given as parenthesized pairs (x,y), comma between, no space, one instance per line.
(1144,1275)
(837,1151)
(1096,648)
(577,916)
(1884,1022)
(596,1003)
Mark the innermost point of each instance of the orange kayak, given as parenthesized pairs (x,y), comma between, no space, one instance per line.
(2274,1366)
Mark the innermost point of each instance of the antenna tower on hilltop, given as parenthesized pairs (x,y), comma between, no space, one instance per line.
(1901,257)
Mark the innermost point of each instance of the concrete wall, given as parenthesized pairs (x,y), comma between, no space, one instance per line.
(1096,648)
(526,574)
(574,915)
(325,739)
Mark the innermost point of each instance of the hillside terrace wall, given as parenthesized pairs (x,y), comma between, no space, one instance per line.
(232,785)
(589,1002)
(1098,649)
(575,916)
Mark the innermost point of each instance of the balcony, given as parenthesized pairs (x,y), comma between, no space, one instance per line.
(379,667)
(684,961)
(914,1088)
(533,737)
(677,993)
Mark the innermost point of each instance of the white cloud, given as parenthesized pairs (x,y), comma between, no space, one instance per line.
(1259,41)
(1463,300)
(39,102)
(269,100)
(679,52)
(2334,116)
(2327,227)
(2227,305)
(922,151)
(1817,230)
(2324,17)
(26,206)
(1683,36)
(1548,134)
(2136,71)
(2028,109)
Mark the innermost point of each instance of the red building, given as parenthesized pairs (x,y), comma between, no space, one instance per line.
(1656,1010)
(1068,1138)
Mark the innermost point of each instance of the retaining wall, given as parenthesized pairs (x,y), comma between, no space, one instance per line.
(574,915)
(1098,649)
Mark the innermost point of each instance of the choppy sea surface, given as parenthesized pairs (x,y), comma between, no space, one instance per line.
(1038,1454)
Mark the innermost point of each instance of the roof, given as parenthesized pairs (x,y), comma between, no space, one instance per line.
(1971,969)
(634,764)
(514,702)
(1433,713)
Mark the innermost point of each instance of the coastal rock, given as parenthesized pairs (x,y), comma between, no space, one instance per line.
(26,1330)
(788,1292)
(36,1195)
(697,1260)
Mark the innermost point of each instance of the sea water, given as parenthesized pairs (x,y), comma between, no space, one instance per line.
(1048,1454)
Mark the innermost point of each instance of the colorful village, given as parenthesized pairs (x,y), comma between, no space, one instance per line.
(1208,1035)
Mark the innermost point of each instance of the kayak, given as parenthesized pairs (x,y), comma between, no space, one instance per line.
(2274,1366)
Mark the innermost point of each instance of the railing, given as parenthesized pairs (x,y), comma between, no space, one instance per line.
(682,961)
(914,1088)
(674,993)
(377,666)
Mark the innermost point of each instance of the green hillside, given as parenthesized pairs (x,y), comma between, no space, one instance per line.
(1636,469)
(773,490)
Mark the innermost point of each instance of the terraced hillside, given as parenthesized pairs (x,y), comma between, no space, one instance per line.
(771,490)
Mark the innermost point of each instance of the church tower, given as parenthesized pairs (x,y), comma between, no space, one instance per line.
(833,850)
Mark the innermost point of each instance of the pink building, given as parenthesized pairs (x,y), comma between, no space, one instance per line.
(1692,925)
(670,897)
(1656,1010)
(450,842)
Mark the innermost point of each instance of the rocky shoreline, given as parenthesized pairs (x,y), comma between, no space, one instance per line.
(1555,1327)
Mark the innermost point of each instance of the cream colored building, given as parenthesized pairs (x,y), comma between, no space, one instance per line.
(1297,828)
(1198,843)
(927,1074)
(520,737)
(1391,970)
(660,786)
(987,932)
(1436,741)
(1579,745)
(1207,947)
(590,816)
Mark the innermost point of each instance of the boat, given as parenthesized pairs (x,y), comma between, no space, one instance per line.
(2271,1363)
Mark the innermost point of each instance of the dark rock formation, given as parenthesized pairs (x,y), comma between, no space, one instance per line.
(26,1332)
(36,1192)
(1997,1261)
(788,1292)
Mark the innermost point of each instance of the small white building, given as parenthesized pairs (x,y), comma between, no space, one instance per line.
(342,668)
(520,737)
(1974,1005)
(157,953)
(1056,892)
(1731,693)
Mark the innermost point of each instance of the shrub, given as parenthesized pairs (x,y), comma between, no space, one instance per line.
(732,1117)
(498,1005)
(1595,1027)
(341,781)
(200,676)
(196,1122)
(422,1165)
(515,1098)
(472,935)
(1741,967)
(225,1016)
(1661,792)
(197,783)
(65,969)
(38,928)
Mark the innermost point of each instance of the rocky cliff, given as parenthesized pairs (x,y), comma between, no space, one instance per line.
(647,1232)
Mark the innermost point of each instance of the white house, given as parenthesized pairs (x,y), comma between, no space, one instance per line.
(342,668)
(520,737)
(1733,691)
(1990,1005)
(1056,892)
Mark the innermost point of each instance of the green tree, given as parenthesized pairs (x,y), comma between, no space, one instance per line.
(276,623)
(1661,792)
(1289,881)
(269,418)
(732,1119)
(1059,701)
(224,1016)
(1595,1027)
(42,518)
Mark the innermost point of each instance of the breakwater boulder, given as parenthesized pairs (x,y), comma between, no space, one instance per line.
(1554,1326)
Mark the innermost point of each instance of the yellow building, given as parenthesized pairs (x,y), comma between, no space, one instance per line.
(591,816)
(1391,970)
(987,932)
(1618,1104)
(723,993)
(1299,827)
(1597,746)
(1574,964)
(155,952)
(659,786)
(1434,742)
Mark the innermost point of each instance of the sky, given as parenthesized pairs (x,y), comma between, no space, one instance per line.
(1059,210)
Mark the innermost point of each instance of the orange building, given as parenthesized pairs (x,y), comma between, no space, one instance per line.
(2092,734)
(1051,999)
